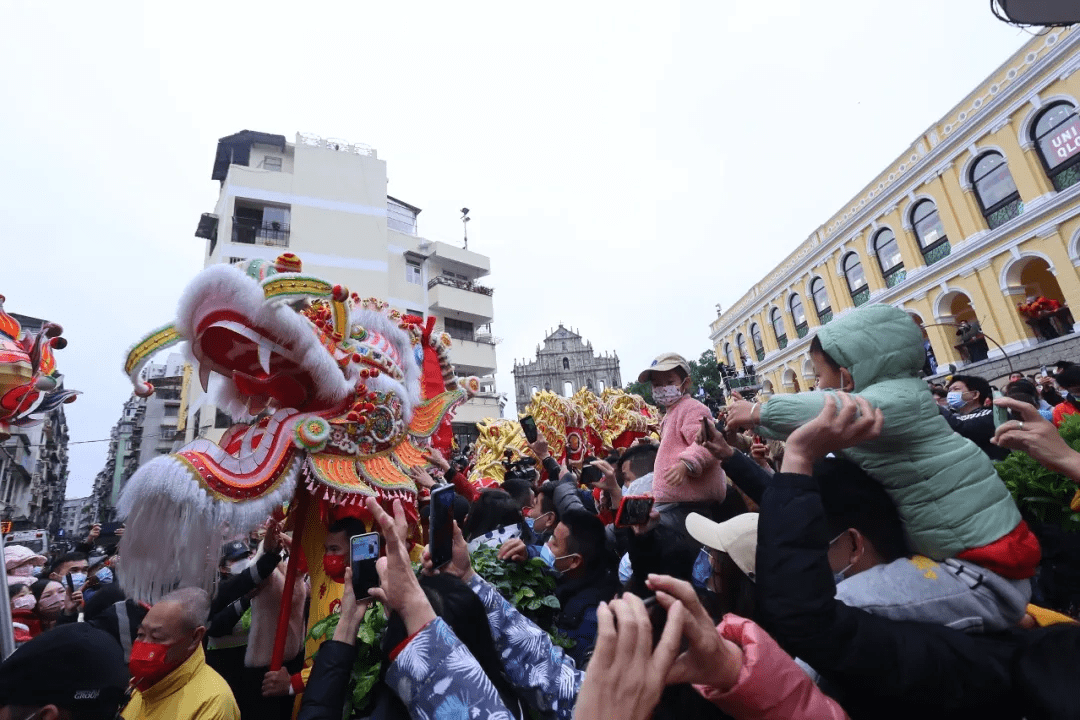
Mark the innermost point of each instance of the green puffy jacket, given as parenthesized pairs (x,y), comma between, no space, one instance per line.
(945,488)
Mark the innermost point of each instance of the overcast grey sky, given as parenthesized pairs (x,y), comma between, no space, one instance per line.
(628,165)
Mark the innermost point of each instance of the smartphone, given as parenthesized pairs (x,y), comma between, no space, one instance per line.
(758,440)
(441,525)
(363,553)
(633,511)
(589,473)
(528,426)
(109,529)
(70,583)
(1001,415)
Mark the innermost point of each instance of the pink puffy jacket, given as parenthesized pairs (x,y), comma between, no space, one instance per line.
(770,684)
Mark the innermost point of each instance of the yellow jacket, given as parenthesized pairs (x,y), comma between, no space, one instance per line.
(193,691)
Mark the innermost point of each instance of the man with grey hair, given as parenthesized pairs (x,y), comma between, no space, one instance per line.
(168,667)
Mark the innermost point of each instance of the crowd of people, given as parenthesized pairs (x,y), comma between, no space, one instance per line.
(844,552)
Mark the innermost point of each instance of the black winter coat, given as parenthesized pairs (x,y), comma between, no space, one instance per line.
(875,667)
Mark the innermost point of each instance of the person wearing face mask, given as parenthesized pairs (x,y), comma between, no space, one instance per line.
(585,572)
(541,518)
(168,667)
(686,477)
(50,596)
(970,413)
(240,622)
(327,587)
(1069,381)
(76,564)
(23,619)
(23,565)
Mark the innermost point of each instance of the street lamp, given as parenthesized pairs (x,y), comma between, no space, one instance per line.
(465,224)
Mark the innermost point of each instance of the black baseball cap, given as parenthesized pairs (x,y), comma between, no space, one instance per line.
(234,550)
(75,667)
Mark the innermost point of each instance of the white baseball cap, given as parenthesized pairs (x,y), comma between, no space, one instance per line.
(663,363)
(737,537)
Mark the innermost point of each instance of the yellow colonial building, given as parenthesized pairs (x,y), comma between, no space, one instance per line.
(980,214)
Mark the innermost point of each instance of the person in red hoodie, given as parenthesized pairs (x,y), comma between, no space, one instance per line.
(23,619)
(686,477)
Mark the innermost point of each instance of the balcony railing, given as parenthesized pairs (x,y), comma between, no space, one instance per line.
(745,381)
(782,341)
(460,285)
(802,330)
(249,233)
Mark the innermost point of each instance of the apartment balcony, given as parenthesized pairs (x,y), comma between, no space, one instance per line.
(466,262)
(464,298)
(473,357)
(273,234)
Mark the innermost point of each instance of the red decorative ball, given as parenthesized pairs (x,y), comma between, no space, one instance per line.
(352,417)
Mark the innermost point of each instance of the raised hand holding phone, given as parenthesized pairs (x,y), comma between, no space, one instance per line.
(528,426)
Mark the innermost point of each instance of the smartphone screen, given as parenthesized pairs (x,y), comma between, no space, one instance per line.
(70,583)
(590,473)
(441,525)
(528,426)
(634,511)
(1001,415)
(363,553)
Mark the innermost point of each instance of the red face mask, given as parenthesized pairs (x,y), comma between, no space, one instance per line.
(334,567)
(148,663)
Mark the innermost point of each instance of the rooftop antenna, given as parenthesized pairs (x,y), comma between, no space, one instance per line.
(465,224)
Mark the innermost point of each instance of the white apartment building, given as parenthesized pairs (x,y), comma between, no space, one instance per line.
(75,518)
(326,201)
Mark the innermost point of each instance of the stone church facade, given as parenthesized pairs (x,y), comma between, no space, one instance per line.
(565,364)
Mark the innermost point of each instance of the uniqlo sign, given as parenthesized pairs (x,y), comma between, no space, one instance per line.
(1064,143)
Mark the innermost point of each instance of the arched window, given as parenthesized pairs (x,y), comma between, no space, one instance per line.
(856,279)
(602,386)
(888,256)
(820,294)
(798,314)
(568,389)
(1057,135)
(777,321)
(759,346)
(566,363)
(744,355)
(931,233)
(534,390)
(729,356)
(995,190)
(588,383)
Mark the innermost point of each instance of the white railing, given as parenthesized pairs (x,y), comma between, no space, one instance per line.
(337,144)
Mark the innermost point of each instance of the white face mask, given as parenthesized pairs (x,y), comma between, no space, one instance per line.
(235,568)
(24,602)
(667,394)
